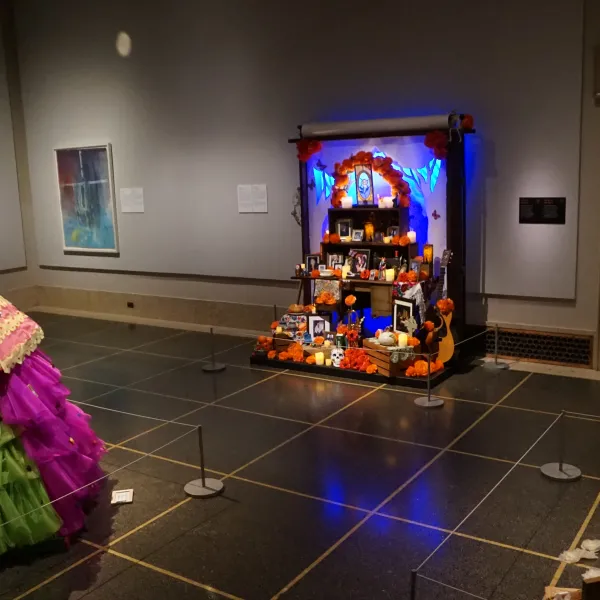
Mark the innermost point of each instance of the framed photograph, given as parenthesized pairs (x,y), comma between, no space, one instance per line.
(364,185)
(393,231)
(415,266)
(344,227)
(357,235)
(378,236)
(330,336)
(87,199)
(338,266)
(312,262)
(403,310)
(334,259)
(318,325)
(373,274)
(360,260)
(322,268)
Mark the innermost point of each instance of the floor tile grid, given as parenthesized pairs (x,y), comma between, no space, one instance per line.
(577,539)
(401,390)
(496,486)
(215,404)
(382,504)
(120,351)
(352,507)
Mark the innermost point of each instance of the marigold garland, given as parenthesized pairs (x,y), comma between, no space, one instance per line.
(438,142)
(352,335)
(382,166)
(412,277)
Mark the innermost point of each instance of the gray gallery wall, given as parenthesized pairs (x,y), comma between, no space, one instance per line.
(12,247)
(212,91)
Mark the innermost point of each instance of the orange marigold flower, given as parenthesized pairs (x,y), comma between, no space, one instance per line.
(274,324)
(319,340)
(311,360)
(372,369)
(283,356)
(429,325)
(334,238)
(350,300)
(342,329)
(412,277)
(272,354)
(314,273)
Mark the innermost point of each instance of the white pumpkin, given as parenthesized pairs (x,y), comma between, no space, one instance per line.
(387,338)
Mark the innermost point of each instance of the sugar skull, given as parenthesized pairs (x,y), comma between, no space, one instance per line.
(337,355)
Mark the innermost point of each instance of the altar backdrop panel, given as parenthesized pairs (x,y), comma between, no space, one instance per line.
(211,92)
(12,247)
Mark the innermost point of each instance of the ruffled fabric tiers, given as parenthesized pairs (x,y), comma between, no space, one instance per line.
(25,509)
(56,436)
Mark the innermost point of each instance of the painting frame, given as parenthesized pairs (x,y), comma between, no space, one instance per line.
(401,307)
(110,205)
(313,320)
(357,265)
(307,262)
(363,199)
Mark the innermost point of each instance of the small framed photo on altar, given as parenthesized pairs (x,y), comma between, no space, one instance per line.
(393,231)
(334,259)
(312,262)
(403,310)
(357,235)
(361,260)
(318,325)
(322,268)
(338,266)
(330,337)
(364,185)
(344,228)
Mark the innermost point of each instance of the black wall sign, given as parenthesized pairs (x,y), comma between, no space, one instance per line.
(542,211)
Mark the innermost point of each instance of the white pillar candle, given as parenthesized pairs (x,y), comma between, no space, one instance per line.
(389,203)
(320,359)
(412,236)
(345,271)
(346,202)
(402,340)
(327,362)
(389,274)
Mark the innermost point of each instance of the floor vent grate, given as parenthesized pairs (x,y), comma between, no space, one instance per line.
(558,349)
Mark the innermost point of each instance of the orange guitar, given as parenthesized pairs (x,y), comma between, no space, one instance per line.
(446,343)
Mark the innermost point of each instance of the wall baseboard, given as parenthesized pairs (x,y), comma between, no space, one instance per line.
(180,311)
(24,298)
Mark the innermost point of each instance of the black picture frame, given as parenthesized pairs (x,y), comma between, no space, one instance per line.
(403,309)
(312,257)
(313,320)
(334,258)
(359,263)
(344,223)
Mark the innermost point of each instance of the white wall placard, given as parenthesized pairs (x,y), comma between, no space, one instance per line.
(252,198)
(132,200)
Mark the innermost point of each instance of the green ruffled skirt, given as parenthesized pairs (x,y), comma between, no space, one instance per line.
(26,517)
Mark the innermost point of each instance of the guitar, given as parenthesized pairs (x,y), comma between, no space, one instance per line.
(446,343)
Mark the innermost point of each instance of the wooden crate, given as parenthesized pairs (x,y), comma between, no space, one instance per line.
(380,356)
(281,344)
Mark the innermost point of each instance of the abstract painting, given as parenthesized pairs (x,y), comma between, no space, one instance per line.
(87,199)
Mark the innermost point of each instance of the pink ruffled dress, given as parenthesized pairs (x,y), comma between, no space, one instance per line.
(55,434)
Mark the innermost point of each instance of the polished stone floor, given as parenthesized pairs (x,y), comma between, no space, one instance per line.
(333,489)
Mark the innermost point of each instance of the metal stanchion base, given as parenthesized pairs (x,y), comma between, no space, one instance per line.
(211,487)
(495,366)
(426,402)
(214,368)
(567,473)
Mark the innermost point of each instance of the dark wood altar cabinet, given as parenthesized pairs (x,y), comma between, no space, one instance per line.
(455,217)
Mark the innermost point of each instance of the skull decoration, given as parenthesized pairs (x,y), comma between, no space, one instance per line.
(337,355)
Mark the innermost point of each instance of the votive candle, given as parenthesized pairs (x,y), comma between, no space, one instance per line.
(402,340)
(327,362)
(320,359)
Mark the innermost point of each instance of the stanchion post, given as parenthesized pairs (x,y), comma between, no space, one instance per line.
(214,367)
(428,401)
(413,585)
(496,365)
(561,471)
(203,487)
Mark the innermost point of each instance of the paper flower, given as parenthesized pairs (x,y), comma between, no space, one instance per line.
(306,148)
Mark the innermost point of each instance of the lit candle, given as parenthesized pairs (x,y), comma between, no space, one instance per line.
(387,240)
(327,362)
(345,271)
(279,330)
(402,340)
(320,359)
(303,266)
(346,202)
(389,274)
(412,236)
(389,203)
(327,343)
(428,253)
